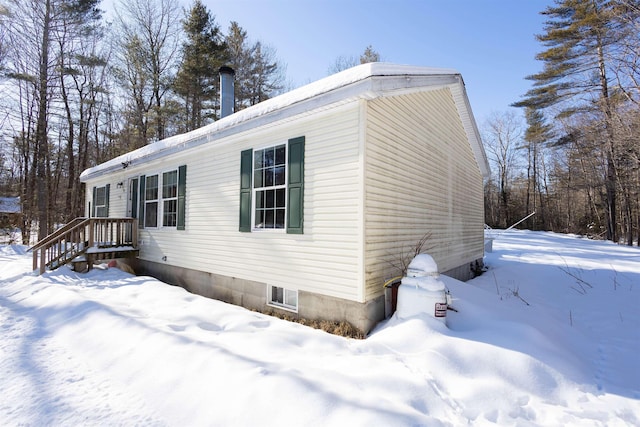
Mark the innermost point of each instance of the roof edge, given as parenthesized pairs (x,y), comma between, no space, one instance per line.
(350,77)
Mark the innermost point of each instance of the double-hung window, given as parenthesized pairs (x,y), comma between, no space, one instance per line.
(162,201)
(170,198)
(269,187)
(101,201)
(272,187)
(151,201)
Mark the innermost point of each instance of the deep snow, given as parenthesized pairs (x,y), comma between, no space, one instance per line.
(549,335)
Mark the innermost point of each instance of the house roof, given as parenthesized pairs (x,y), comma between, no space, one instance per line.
(10,205)
(365,81)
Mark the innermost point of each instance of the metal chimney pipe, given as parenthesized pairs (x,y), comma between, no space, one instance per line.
(227,98)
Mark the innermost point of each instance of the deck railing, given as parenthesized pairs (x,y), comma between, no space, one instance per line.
(82,236)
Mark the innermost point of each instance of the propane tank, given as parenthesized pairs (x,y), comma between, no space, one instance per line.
(421,292)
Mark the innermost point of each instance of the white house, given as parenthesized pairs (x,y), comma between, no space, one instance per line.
(304,202)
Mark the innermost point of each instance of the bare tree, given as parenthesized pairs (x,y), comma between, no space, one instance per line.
(3,29)
(148,54)
(83,85)
(36,36)
(537,135)
(583,47)
(502,135)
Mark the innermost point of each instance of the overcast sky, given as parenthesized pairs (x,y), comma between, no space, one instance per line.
(491,42)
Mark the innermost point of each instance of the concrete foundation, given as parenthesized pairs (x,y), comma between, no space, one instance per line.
(253,295)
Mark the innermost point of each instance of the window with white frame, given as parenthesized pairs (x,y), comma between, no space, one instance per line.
(151,201)
(163,199)
(283,298)
(269,187)
(272,188)
(170,198)
(101,203)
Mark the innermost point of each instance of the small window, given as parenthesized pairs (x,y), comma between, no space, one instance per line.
(283,298)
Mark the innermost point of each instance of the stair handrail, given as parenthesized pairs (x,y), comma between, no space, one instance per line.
(67,230)
(76,222)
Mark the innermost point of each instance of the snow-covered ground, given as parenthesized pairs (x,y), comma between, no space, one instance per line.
(549,335)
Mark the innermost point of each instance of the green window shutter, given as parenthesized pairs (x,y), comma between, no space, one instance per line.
(92,209)
(106,198)
(134,198)
(295,205)
(141,210)
(246,169)
(182,190)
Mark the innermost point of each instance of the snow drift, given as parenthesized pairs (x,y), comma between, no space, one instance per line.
(548,335)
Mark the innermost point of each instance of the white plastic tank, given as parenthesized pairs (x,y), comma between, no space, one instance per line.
(421,291)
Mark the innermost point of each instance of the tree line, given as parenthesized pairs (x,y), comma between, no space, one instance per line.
(573,157)
(79,89)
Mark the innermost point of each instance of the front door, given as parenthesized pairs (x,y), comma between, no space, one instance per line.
(132,203)
(132,198)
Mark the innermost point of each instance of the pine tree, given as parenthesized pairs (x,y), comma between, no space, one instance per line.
(203,53)
(240,58)
(343,62)
(579,38)
(369,55)
(265,80)
(258,74)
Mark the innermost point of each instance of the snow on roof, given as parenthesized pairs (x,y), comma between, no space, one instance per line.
(230,123)
(10,204)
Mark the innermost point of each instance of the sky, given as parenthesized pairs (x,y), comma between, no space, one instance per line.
(490,42)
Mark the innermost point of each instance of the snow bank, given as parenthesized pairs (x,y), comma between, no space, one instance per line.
(531,344)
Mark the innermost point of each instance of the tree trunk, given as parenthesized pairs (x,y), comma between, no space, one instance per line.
(610,184)
(69,211)
(42,145)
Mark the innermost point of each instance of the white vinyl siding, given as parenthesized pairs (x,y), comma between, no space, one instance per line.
(117,195)
(378,175)
(421,177)
(326,259)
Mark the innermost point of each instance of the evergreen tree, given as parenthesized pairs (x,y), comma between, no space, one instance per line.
(258,74)
(369,55)
(580,38)
(240,55)
(266,76)
(203,53)
(343,62)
